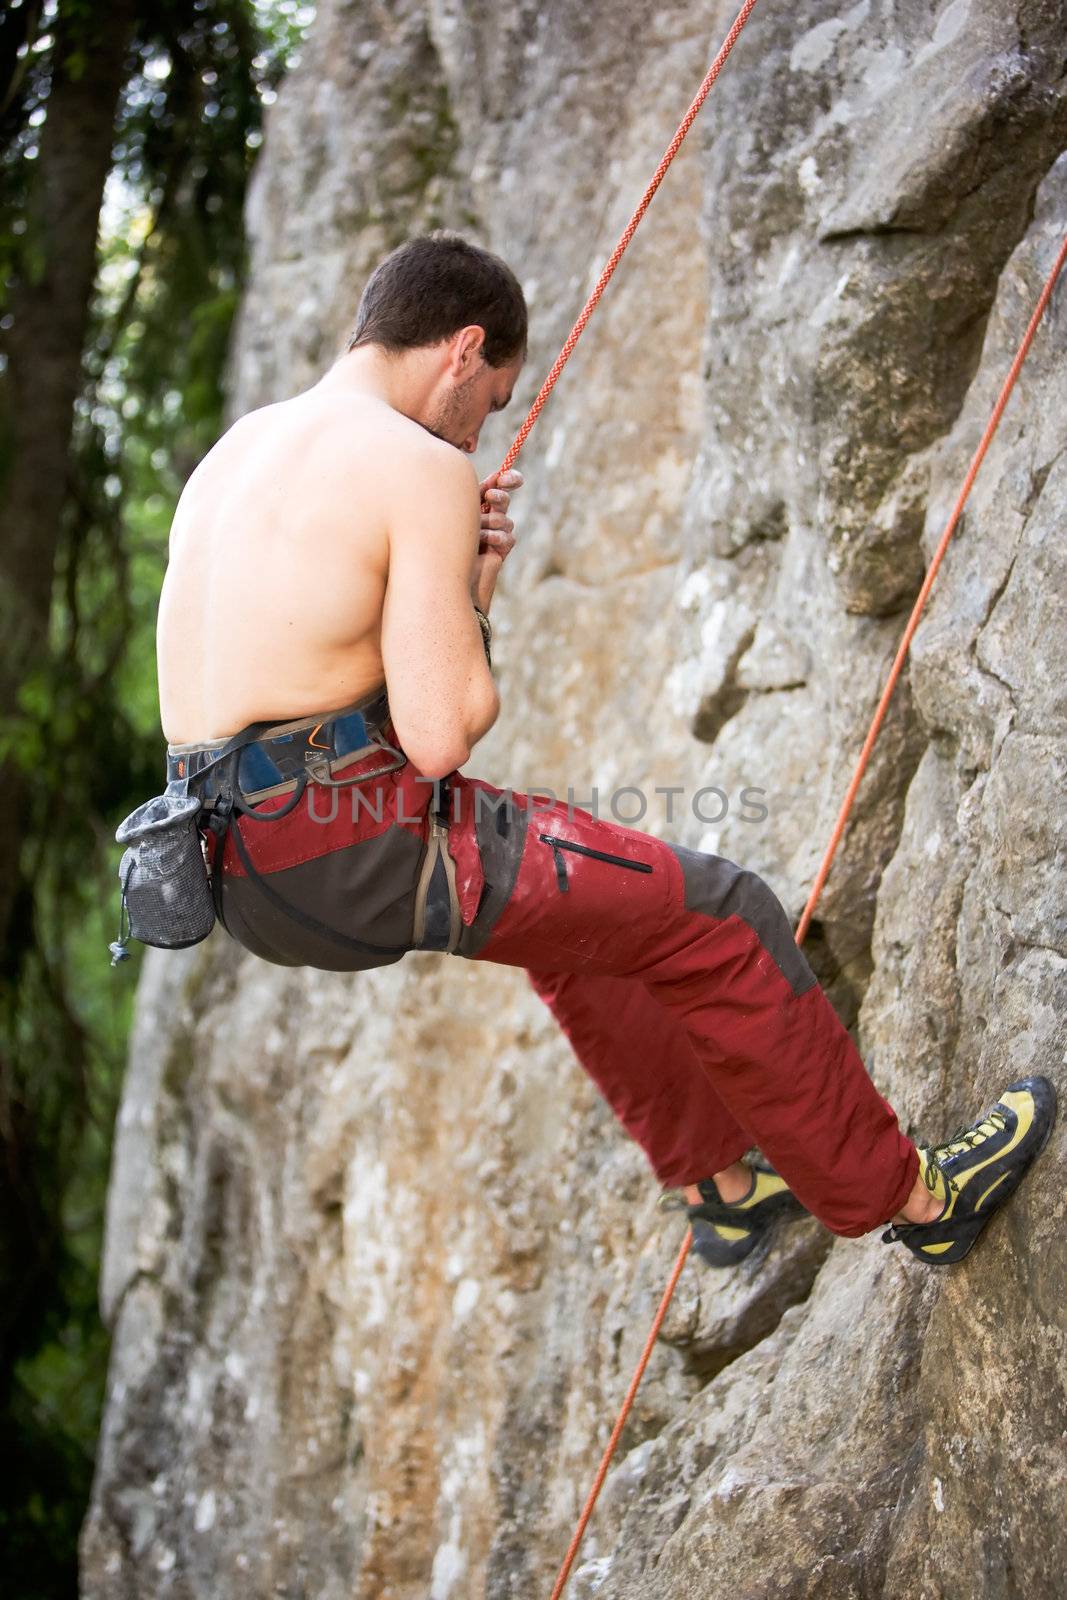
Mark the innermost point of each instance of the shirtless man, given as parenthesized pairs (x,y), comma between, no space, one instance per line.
(331,574)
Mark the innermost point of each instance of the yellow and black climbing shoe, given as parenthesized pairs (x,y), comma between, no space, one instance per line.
(976,1170)
(725,1233)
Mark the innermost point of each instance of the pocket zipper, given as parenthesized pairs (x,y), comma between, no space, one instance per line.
(559,845)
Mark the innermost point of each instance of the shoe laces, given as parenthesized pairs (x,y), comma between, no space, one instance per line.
(969,1138)
(960,1142)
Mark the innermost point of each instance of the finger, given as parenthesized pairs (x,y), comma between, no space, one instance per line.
(500,540)
(512,479)
(496,497)
(496,519)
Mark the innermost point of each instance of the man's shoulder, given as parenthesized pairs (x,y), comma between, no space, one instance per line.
(366,430)
(349,445)
(427,474)
(423,452)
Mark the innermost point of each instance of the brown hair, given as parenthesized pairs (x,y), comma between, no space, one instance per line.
(434,285)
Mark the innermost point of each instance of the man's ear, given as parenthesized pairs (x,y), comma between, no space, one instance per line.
(467,347)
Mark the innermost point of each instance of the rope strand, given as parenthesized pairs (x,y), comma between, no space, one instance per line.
(620,1420)
(628,233)
(917,609)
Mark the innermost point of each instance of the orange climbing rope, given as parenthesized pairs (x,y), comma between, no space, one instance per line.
(802,928)
(628,233)
(913,620)
(624,1412)
(508,462)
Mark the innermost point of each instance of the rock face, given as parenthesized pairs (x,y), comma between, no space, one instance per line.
(379,1262)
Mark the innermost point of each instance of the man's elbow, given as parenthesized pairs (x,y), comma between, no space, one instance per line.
(437,751)
(437,761)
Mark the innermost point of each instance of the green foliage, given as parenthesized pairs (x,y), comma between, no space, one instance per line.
(84,728)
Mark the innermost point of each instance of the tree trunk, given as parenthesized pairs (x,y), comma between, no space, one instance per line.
(50,309)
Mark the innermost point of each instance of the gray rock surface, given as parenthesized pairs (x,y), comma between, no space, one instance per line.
(379,1263)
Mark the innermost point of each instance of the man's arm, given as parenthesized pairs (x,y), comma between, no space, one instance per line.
(441,695)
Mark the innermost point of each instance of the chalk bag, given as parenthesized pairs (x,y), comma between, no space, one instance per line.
(166,891)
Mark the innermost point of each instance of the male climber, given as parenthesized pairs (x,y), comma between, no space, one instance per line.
(331,573)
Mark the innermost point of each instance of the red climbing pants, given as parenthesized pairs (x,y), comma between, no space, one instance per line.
(676,977)
(674,974)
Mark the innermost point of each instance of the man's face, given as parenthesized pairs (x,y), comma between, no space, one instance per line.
(465,405)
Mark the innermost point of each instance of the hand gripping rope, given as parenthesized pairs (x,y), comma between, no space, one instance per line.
(879,715)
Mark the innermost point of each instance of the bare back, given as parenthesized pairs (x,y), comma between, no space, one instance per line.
(279,554)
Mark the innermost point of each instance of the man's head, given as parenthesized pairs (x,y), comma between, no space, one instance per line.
(462,311)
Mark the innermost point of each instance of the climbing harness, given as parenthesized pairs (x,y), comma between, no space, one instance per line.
(170,896)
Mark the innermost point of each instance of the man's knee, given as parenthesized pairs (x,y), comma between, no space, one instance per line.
(718,888)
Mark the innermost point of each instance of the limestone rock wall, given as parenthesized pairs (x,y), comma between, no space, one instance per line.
(378,1262)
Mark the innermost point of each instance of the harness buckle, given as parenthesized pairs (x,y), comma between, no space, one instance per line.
(219,809)
(317,767)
